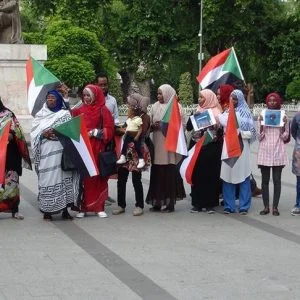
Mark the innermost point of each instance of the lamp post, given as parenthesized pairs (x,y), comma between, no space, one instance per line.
(200,55)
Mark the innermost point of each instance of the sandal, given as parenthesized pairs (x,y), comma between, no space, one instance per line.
(48,217)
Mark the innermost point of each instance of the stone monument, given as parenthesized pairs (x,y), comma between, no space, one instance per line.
(13,57)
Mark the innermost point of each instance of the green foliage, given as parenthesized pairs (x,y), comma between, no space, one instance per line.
(185,89)
(33,37)
(293,90)
(72,70)
(115,89)
(63,38)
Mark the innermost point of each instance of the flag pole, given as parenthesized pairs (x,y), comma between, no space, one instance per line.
(200,55)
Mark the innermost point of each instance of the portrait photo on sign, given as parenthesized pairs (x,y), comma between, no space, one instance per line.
(272,117)
(203,119)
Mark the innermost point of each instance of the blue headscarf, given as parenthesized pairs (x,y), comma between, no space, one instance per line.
(244,115)
(60,103)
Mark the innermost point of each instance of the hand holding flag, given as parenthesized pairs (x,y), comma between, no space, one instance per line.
(172,128)
(233,143)
(73,136)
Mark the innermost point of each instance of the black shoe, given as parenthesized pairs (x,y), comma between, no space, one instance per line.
(265,211)
(48,217)
(222,203)
(66,216)
(243,212)
(194,210)
(275,211)
(210,210)
(155,208)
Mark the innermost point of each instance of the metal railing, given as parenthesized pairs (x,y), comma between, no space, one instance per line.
(256,109)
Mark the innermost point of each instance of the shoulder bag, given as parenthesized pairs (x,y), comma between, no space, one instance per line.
(108,158)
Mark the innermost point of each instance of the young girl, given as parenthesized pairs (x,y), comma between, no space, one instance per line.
(133,135)
(272,155)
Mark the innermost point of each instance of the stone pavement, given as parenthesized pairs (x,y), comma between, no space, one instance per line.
(155,256)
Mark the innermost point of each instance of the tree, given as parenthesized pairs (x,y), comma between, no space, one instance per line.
(293,90)
(185,89)
(72,69)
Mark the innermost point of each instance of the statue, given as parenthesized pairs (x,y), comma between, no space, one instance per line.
(10,23)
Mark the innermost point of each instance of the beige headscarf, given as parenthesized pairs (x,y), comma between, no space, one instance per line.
(167,91)
(211,101)
(139,100)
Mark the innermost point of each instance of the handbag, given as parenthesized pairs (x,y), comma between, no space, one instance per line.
(66,162)
(107,159)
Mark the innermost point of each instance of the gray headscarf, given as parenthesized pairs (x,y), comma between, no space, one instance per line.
(139,100)
(167,91)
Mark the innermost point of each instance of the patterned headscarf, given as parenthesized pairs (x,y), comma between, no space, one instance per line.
(277,98)
(225,91)
(210,101)
(167,91)
(60,103)
(243,113)
(139,100)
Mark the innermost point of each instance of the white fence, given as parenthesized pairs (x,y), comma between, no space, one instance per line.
(256,109)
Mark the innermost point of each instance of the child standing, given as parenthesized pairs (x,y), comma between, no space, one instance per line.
(133,134)
(272,154)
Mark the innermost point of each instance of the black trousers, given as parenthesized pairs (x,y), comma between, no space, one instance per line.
(137,184)
(265,179)
(137,145)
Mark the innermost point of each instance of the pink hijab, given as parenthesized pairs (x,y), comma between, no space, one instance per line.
(211,101)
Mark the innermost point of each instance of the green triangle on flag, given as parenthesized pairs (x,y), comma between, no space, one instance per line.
(208,137)
(232,65)
(167,114)
(70,128)
(41,75)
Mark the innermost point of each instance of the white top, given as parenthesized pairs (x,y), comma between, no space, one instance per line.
(242,168)
(111,104)
(134,124)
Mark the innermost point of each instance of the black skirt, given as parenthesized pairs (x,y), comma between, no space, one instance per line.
(166,185)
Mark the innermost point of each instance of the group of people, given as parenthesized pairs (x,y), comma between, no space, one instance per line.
(60,189)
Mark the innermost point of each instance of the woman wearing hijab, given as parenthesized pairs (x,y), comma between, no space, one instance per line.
(16,152)
(58,189)
(166,185)
(295,132)
(272,154)
(223,94)
(100,125)
(240,172)
(206,173)
(134,100)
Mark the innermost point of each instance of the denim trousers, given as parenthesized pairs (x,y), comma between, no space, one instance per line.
(298,192)
(244,195)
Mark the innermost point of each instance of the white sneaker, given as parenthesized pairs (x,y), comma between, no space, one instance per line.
(102,214)
(122,160)
(80,215)
(141,163)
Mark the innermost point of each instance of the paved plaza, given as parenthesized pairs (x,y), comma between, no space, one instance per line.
(154,256)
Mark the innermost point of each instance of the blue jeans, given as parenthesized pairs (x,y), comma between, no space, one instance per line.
(244,195)
(298,192)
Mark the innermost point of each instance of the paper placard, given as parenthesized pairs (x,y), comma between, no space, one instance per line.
(272,117)
(201,120)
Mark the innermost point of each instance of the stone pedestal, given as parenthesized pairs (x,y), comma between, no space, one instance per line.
(13,84)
